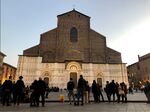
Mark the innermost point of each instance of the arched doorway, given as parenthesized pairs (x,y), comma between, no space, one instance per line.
(99,81)
(73,75)
(73,69)
(46,79)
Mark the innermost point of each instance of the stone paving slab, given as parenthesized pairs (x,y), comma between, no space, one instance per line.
(92,107)
(138,96)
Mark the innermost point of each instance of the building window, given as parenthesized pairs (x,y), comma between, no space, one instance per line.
(73,35)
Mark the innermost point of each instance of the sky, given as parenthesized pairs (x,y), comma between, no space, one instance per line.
(125,23)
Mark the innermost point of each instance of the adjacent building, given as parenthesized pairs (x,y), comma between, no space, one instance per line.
(2,55)
(69,50)
(8,70)
(139,71)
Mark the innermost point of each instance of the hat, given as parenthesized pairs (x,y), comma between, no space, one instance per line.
(20,77)
(10,77)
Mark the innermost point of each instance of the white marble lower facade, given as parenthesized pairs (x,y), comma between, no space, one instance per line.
(58,74)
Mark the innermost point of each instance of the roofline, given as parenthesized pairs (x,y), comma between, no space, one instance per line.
(75,11)
(133,64)
(2,53)
(10,65)
(98,33)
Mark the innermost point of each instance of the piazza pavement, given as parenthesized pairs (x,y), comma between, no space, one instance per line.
(137,103)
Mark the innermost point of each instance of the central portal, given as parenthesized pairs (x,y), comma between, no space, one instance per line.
(73,75)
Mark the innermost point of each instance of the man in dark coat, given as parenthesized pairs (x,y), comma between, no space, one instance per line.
(107,90)
(81,88)
(70,87)
(95,91)
(112,88)
(41,88)
(7,89)
(34,93)
(19,89)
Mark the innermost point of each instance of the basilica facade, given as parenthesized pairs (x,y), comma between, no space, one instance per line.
(69,50)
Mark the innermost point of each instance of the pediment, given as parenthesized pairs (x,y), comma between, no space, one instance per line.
(73,11)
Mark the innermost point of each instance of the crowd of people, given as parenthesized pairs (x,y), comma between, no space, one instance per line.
(81,93)
(112,89)
(77,94)
(17,92)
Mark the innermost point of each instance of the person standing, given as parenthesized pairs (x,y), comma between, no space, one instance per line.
(107,90)
(95,91)
(112,87)
(41,88)
(81,89)
(19,89)
(99,89)
(7,89)
(87,93)
(147,91)
(117,92)
(34,93)
(70,87)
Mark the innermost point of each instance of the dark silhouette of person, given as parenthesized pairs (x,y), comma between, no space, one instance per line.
(99,89)
(70,87)
(112,87)
(41,88)
(107,90)
(19,91)
(124,89)
(147,91)
(47,90)
(117,92)
(34,93)
(95,91)
(130,90)
(81,89)
(87,93)
(7,89)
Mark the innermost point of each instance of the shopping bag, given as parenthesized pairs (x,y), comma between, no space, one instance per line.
(61,98)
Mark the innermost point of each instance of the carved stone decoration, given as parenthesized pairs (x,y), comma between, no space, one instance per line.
(74,55)
(73,66)
(48,57)
(100,74)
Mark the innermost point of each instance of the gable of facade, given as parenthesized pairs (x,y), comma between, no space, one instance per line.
(73,39)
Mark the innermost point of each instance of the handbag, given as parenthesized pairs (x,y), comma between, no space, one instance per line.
(121,92)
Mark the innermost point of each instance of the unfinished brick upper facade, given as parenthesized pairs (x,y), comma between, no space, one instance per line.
(90,47)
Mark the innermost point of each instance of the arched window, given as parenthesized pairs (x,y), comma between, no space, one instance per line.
(73,35)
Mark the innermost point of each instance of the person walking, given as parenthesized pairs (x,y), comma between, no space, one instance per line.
(70,87)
